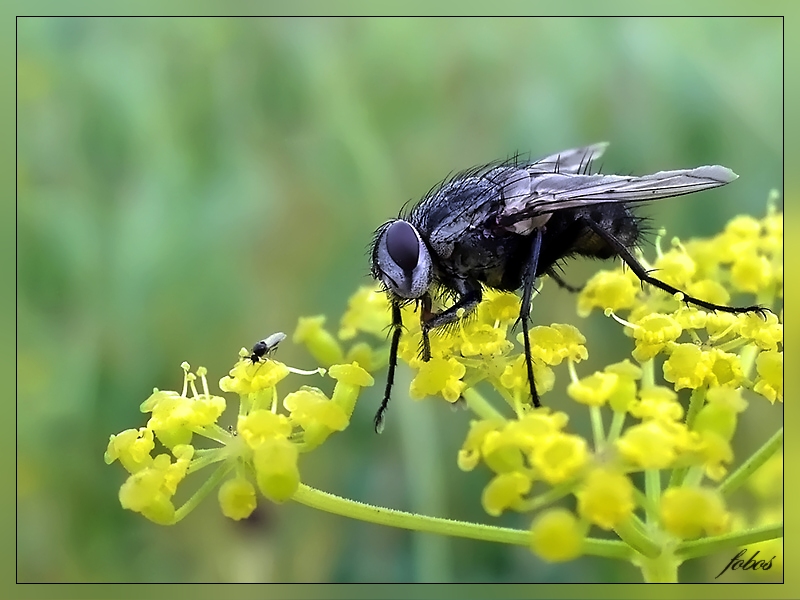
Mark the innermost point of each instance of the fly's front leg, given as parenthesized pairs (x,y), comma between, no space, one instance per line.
(470,298)
(425,315)
(397,330)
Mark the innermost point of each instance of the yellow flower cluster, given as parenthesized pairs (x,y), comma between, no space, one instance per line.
(477,348)
(533,458)
(264,446)
(714,361)
(745,258)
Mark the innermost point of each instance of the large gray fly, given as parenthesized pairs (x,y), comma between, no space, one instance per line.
(504,224)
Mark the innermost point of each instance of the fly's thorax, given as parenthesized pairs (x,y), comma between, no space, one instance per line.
(401,261)
(490,255)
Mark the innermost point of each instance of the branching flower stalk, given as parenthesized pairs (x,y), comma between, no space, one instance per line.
(640,430)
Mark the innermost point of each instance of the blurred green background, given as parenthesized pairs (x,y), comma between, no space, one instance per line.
(188,186)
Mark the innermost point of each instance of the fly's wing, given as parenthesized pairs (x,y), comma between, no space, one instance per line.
(465,199)
(542,194)
(574,160)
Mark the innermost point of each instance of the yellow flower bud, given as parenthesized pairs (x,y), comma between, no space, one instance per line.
(367,311)
(607,289)
(594,390)
(439,376)
(237,498)
(350,379)
(277,475)
(606,498)
(559,457)
(325,349)
(556,535)
(688,512)
(770,375)
(504,491)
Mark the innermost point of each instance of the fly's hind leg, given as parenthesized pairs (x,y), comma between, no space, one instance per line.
(625,254)
(574,289)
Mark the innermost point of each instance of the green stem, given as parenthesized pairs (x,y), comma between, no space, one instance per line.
(617,422)
(480,406)
(213,432)
(632,534)
(245,404)
(758,458)
(512,401)
(733,345)
(607,549)
(645,503)
(546,498)
(652,486)
(662,569)
(203,491)
(718,543)
(648,374)
(677,476)
(696,402)
(598,431)
(208,457)
(396,518)
(694,476)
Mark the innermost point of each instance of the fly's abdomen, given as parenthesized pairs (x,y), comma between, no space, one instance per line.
(566,233)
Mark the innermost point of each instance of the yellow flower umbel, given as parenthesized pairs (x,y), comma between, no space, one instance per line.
(263,448)
(712,355)
(653,476)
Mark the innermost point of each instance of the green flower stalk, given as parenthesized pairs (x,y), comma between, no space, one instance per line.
(718,362)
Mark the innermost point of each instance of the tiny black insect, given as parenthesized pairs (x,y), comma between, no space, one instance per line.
(266,346)
(504,224)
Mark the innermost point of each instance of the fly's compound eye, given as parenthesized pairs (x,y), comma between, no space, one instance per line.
(402,245)
(401,260)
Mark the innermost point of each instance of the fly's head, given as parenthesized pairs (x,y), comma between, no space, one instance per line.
(401,261)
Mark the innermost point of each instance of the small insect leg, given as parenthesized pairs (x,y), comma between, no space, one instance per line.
(528,279)
(397,326)
(574,289)
(425,315)
(622,251)
(468,301)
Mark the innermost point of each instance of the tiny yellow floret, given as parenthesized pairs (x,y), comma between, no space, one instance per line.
(237,498)
(689,512)
(606,498)
(556,535)
(504,491)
